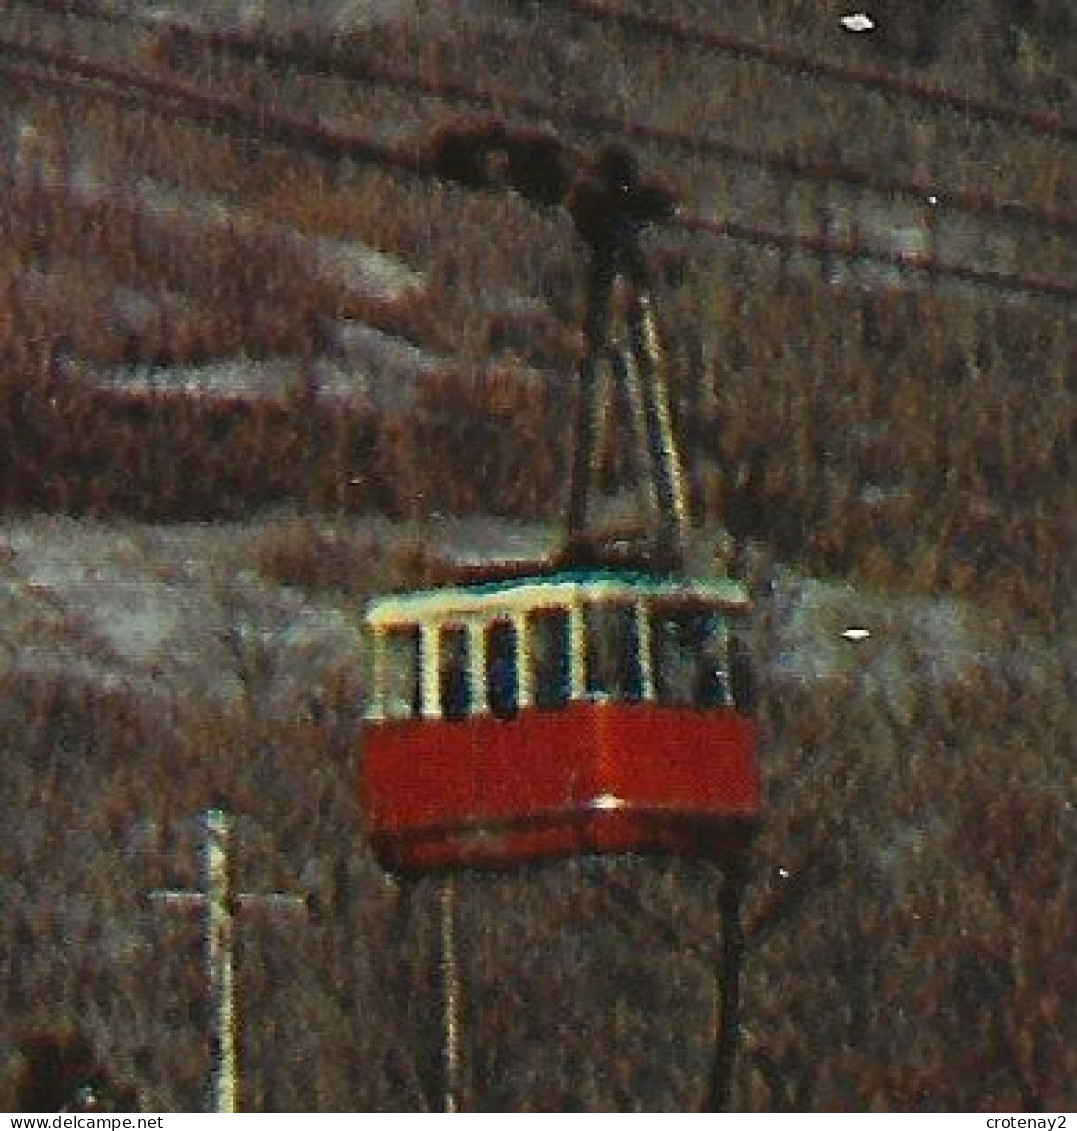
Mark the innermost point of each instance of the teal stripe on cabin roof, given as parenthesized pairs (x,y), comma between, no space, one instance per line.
(426,603)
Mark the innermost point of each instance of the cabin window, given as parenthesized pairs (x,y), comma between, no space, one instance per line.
(548,636)
(502,678)
(688,654)
(401,690)
(454,684)
(613,660)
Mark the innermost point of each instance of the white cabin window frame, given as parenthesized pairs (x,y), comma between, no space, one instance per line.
(429,638)
(577,652)
(643,642)
(525,686)
(478,700)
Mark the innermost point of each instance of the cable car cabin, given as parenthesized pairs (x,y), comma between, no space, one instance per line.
(549,716)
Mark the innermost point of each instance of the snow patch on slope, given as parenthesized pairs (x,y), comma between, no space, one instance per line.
(183,609)
(162,610)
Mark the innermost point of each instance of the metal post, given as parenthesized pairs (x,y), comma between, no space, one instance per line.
(220,905)
(728,988)
(665,463)
(450,1000)
(639,370)
(219,962)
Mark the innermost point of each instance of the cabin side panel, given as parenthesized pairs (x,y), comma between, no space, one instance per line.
(695,762)
(418,774)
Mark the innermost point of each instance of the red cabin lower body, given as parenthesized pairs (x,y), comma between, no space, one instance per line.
(590,778)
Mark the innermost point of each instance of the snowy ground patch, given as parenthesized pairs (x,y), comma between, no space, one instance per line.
(827,629)
(165,611)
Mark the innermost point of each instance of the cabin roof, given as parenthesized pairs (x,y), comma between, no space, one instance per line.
(518,594)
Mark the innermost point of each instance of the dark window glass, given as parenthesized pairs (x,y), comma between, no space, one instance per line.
(401,690)
(454,682)
(613,660)
(688,655)
(549,643)
(502,688)
(741,675)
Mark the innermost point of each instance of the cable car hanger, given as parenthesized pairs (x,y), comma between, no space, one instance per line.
(610,204)
(596,701)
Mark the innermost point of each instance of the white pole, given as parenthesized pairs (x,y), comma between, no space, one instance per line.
(219,961)
(220,905)
(450,998)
